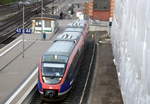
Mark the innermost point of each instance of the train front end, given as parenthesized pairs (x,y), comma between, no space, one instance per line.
(50,78)
(53,70)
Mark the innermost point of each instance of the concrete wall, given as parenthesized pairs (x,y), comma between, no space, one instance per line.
(131,48)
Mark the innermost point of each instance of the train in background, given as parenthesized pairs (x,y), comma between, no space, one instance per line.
(60,63)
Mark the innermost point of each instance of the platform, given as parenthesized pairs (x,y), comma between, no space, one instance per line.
(105,87)
(14,69)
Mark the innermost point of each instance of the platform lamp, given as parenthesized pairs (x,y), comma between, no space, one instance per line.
(23,27)
(23,31)
(53,7)
(42,17)
(23,4)
(41,8)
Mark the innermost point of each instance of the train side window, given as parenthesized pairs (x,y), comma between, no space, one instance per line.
(76,58)
(72,67)
(70,73)
(80,51)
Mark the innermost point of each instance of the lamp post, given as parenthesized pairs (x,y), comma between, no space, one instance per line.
(53,7)
(42,17)
(23,21)
(23,30)
(41,8)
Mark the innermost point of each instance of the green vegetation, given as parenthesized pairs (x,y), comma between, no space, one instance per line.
(7,1)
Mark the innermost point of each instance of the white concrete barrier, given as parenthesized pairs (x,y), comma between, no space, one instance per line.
(22,92)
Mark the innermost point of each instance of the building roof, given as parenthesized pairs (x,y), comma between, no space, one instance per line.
(43,18)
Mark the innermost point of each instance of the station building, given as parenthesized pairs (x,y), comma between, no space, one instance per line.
(100,9)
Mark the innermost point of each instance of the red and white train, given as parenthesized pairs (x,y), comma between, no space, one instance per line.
(59,65)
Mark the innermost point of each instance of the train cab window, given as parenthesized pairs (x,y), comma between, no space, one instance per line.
(52,72)
(51,58)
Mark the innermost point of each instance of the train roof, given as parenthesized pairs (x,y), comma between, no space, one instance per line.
(69,36)
(77,23)
(59,51)
(73,29)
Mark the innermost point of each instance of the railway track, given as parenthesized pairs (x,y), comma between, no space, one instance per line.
(9,34)
(8,37)
(8,30)
(8,8)
(14,20)
(80,90)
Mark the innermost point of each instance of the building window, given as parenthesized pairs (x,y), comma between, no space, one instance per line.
(47,23)
(101,4)
(38,23)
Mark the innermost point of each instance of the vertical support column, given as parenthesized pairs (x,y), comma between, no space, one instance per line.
(42,19)
(23,31)
(112,7)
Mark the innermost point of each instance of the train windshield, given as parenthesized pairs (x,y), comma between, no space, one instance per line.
(52,72)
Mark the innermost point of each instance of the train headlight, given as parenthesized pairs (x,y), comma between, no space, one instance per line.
(60,79)
(44,79)
(51,80)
